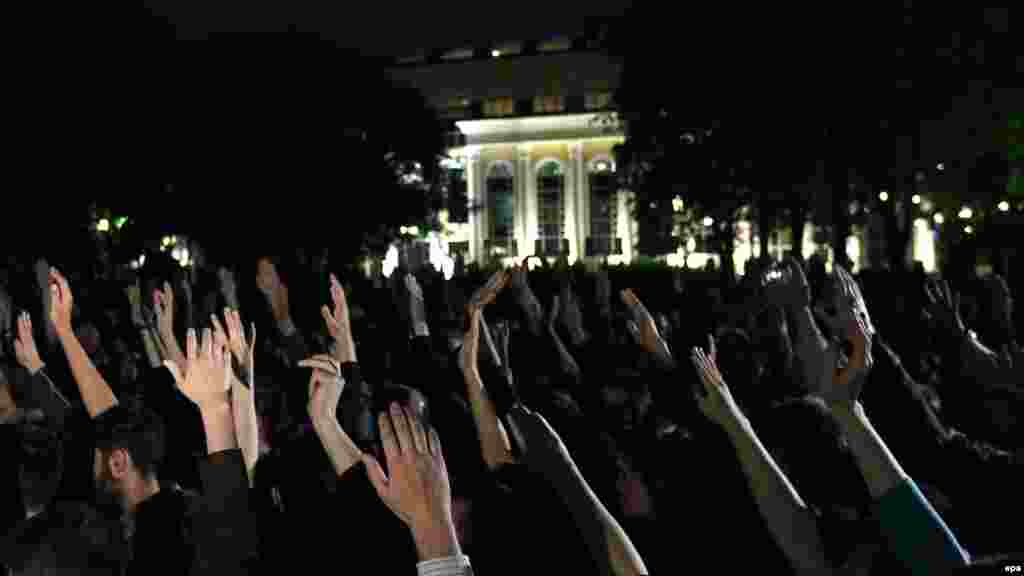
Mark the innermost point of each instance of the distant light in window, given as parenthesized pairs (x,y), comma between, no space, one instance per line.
(939,218)
(883,196)
(495,53)
(677,204)
(709,221)
(968,229)
(1004,206)
(390,261)
(916,199)
(966,213)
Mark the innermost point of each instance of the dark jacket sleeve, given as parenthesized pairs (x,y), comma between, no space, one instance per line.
(42,393)
(224,532)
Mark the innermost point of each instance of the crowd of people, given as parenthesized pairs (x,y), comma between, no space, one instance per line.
(272,415)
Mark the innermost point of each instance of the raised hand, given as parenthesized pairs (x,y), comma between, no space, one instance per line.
(571,315)
(163,305)
(489,291)
(848,380)
(418,489)
(944,307)
(325,387)
(527,299)
(244,350)
(339,324)
(644,329)
(791,289)
(61,302)
(543,450)
(716,402)
(849,304)
(207,376)
(25,345)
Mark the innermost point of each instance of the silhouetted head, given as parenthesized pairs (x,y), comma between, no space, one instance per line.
(129,448)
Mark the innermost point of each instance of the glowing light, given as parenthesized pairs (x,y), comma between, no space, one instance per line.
(700,259)
(939,218)
(677,204)
(103,225)
(968,229)
(676,259)
(883,196)
(940,166)
(495,53)
(691,244)
(923,245)
(965,213)
(142,259)
(709,221)
(439,258)
(1004,206)
(390,261)
(120,222)
(916,199)
(853,251)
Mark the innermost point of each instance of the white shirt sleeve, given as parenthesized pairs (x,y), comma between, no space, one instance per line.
(450,566)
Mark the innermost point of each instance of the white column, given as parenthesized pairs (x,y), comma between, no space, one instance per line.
(574,223)
(473,192)
(625,224)
(530,205)
(523,177)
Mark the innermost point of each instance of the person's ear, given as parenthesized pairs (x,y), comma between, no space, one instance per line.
(119,462)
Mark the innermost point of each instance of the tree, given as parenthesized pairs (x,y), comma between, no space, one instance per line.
(283,138)
(862,118)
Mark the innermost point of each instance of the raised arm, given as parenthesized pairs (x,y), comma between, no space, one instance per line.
(494,442)
(792,524)
(96,393)
(243,385)
(163,305)
(224,532)
(41,389)
(916,533)
(418,491)
(325,387)
(546,456)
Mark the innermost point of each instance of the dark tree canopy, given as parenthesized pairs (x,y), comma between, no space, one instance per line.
(281,137)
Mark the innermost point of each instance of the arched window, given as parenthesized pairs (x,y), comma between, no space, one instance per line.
(501,200)
(603,210)
(550,207)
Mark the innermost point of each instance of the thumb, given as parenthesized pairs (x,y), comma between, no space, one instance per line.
(179,378)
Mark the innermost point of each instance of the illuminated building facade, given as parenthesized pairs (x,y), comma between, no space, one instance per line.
(530,147)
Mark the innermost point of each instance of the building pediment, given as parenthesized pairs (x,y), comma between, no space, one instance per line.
(540,128)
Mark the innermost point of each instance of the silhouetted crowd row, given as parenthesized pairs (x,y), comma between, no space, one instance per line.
(507,421)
